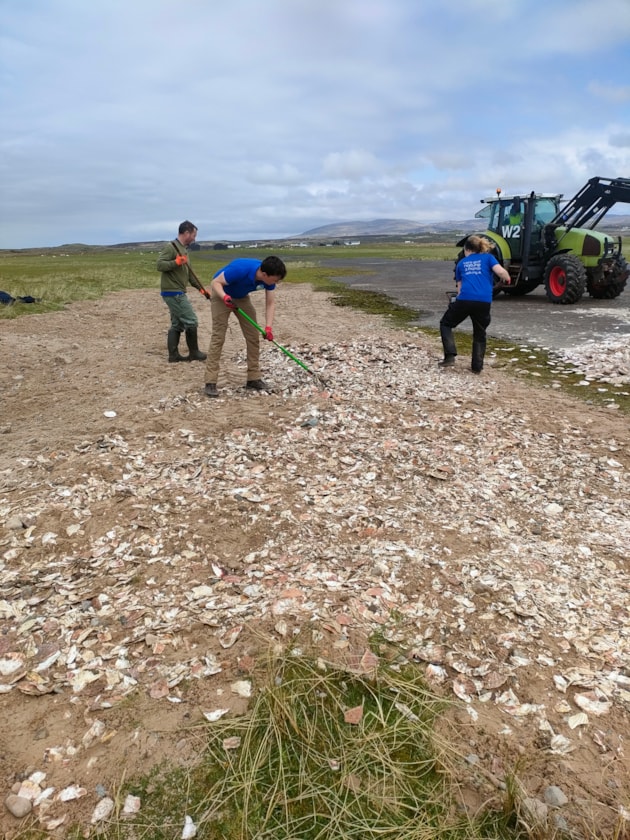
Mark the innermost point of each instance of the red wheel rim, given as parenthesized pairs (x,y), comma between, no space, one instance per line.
(557,281)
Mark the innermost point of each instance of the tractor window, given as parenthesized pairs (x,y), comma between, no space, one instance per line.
(485,212)
(515,212)
(490,214)
(544,211)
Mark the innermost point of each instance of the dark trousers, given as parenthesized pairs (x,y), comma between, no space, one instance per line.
(479,313)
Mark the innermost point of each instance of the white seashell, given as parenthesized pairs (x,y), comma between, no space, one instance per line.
(230,636)
(593,703)
(436,674)
(131,806)
(215,715)
(190,829)
(579,719)
(464,689)
(561,745)
(103,809)
(242,687)
(96,731)
(10,663)
(29,789)
(70,793)
(553,509)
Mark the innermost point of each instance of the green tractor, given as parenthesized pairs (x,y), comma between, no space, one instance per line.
(537,241)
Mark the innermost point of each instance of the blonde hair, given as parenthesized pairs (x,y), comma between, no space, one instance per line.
(478,244)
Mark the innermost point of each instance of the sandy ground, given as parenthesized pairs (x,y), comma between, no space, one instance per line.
(66,517)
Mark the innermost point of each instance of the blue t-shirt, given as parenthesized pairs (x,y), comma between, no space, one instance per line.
(240,276)
(475,274)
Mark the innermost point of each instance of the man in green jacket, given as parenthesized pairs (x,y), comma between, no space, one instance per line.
(174,265)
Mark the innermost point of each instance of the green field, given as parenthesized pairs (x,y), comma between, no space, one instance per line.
(59,276)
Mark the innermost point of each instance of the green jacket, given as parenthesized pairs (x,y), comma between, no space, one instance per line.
(174,277)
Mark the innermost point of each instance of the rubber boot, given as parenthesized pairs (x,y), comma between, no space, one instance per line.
(172,342)
(478,353)
(191,340)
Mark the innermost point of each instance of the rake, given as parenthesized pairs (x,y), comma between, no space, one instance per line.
(286,352)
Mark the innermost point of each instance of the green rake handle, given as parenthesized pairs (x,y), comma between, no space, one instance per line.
(279,346)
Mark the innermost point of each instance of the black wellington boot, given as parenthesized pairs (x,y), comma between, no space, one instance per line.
(172,342)
(478,353)
(191,340)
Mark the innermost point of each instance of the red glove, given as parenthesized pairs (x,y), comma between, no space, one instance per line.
(268,334)
(181,259)
(227,300)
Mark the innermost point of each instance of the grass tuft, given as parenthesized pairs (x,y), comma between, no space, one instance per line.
(302,772)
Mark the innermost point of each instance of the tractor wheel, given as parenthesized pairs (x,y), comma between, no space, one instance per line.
(565,279)
(606,286)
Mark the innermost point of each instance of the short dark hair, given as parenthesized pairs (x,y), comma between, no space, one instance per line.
(187,227)
(273,267)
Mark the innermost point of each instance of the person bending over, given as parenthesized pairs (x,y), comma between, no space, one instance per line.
(231,289)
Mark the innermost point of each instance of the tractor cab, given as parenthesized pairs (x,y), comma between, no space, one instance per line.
(506,216)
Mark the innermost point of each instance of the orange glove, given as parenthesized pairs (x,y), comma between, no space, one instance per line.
(181,259)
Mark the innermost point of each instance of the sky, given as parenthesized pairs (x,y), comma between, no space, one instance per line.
(261,119)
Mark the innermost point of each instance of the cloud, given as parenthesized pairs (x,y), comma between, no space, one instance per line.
(578,28)
(353,164)
(612,93)
(276,175)
(261,119)
(622,139)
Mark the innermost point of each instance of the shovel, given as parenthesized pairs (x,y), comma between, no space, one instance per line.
(286,352)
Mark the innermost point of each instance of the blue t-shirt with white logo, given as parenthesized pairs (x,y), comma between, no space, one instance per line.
(475,274)
(240,276)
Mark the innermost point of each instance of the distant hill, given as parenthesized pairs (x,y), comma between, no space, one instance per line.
(405,227)
(385,227)
(614,224)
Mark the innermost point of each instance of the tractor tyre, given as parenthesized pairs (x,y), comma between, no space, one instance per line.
(610,285)
(460,256)
(565,279)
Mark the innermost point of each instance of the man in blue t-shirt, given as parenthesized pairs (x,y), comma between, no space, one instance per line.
(231,287)
(474,280)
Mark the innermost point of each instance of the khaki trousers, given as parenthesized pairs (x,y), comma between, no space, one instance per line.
(220,317)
